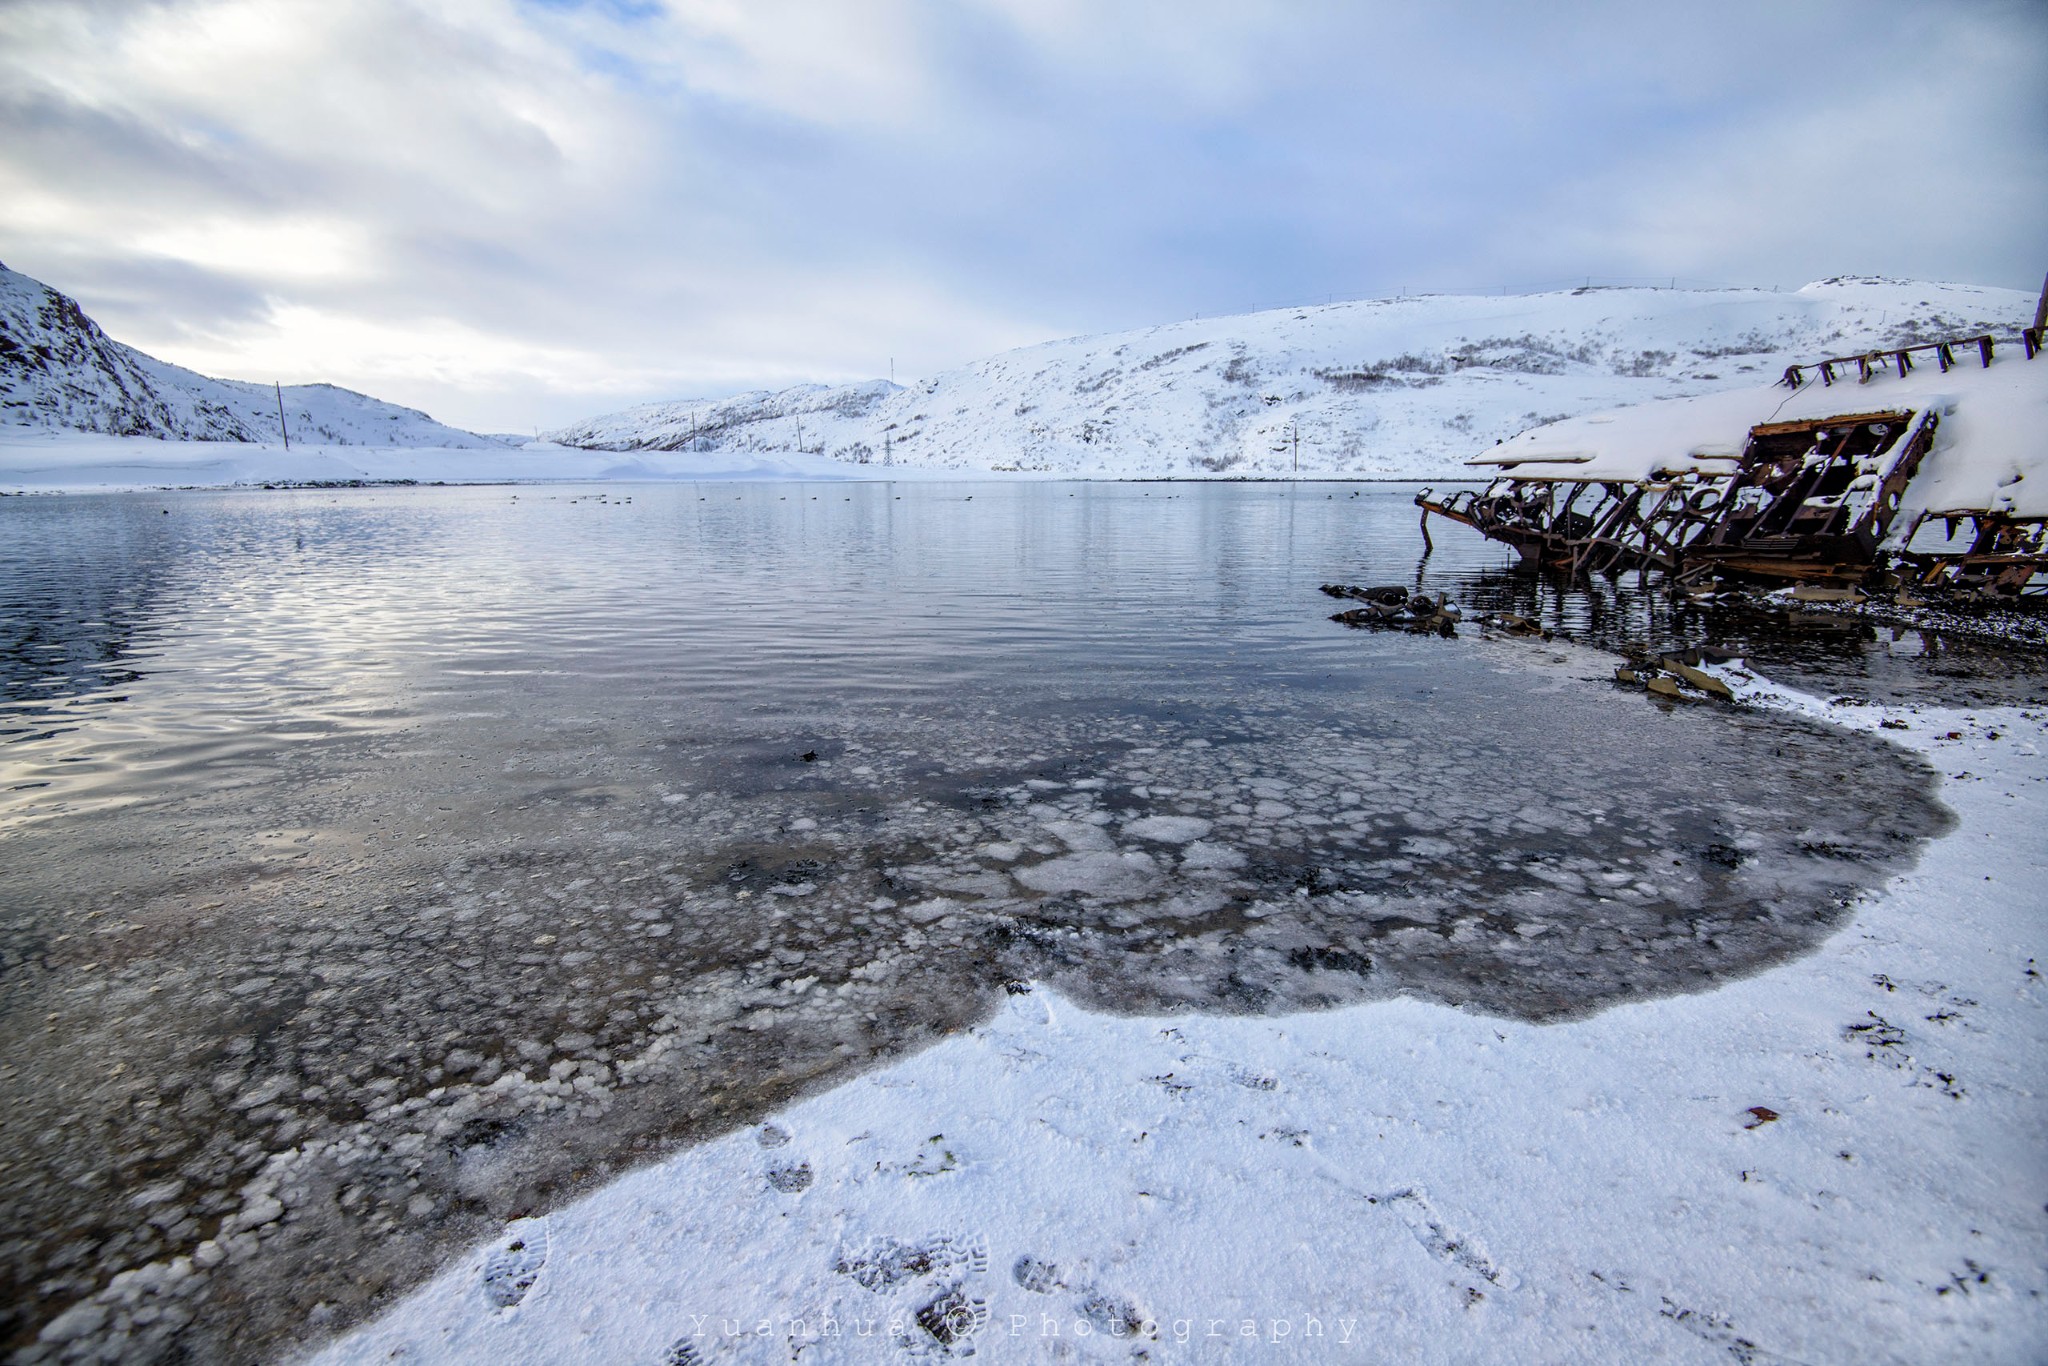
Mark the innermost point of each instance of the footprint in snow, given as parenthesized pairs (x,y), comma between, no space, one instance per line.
(1037,1276)
(510,1271)
(882,1264)
(1439,1240)
(1254,1080)
(1110,1315)
(791,1177)
(953,1317)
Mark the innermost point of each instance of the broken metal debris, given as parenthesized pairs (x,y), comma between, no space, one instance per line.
(2004,556)
(1812,500)
(1395,606)
(1516,625)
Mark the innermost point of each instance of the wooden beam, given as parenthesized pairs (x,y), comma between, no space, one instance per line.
(1814,424)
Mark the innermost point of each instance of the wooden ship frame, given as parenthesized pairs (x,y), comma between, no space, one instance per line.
(1811,501)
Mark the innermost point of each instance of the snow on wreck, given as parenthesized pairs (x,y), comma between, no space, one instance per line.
(1919,469)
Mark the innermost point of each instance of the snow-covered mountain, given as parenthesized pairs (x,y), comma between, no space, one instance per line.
(1392,387)
(58,370)
(815,418)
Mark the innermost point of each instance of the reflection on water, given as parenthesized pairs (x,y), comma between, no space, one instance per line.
(391,862)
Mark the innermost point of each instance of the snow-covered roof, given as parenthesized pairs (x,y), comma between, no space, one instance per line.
(1990,452)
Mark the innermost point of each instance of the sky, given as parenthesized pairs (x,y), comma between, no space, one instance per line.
(518,213)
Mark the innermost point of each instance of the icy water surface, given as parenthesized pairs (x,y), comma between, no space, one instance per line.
(385,864)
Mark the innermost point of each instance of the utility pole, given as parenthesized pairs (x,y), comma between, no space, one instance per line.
(799,435)
(2041,309)
(1295,433)
(280,414)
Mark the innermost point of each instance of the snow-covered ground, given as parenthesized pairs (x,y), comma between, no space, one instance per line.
(60,372)
(1836,1160)
(1391,387)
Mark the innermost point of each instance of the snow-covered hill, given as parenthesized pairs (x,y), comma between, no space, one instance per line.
(1407,388)
(58,371)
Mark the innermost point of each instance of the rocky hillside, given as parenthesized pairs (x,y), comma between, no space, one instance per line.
(1392,387)
(59,371)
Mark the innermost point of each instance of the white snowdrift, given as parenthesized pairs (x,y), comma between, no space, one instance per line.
(1990,451)
(1395,1181)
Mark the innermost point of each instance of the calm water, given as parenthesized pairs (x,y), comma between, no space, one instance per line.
(382,864)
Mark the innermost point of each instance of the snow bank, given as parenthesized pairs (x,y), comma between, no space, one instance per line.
(1991,450)
(1836,1159)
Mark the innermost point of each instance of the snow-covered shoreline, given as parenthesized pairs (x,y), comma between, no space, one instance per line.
(85,462)
(1833,1160)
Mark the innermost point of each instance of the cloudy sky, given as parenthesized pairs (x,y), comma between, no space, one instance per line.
(514,213)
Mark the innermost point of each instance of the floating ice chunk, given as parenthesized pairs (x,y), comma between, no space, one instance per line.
(1273,810)
(1113,875)
(1080,835)
(1428,846)
(977,884)
(936,909)
(1190,903)
(1168,829)
(1003,851)
(1204,854)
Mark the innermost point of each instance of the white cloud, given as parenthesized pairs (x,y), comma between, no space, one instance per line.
(512,212)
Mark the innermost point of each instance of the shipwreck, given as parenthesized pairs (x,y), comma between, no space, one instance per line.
(1919,468)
